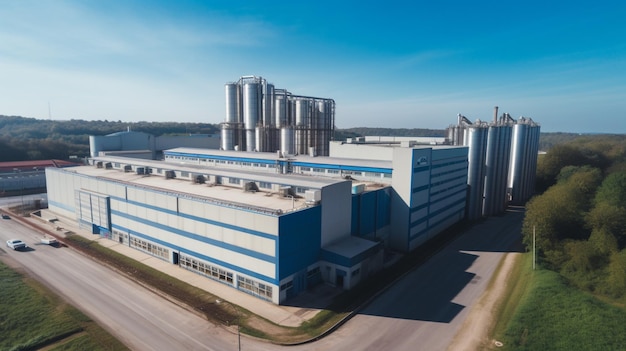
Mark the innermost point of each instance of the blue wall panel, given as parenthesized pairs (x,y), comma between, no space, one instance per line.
(383,203)
(356,212)
(367,221)
(299,240)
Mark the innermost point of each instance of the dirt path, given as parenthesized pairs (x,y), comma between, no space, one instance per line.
(474,333)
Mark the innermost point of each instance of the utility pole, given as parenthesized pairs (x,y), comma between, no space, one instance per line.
(534,249)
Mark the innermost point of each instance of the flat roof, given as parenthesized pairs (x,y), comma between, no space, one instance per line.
(262,201)
(274,157)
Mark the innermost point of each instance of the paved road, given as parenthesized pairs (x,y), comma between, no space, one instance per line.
(425,309)
(138,317)
(422,311)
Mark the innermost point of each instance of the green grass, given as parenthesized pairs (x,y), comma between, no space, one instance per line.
(552,315)
(32,317)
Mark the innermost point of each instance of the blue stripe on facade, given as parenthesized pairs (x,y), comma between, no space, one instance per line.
(343,167)
(421,169)
(61,205)
(420,188)
(417,208)
(434,214)
(439,165)
(226,265)
(222,158)
(200,238)
(200,219)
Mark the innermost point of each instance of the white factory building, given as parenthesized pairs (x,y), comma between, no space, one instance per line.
(270,224)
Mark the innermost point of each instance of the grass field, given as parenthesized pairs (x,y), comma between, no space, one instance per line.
(33,318)
(543,312)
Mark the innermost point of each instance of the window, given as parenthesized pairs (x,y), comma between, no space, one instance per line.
(206,269)
(254,287)
(333,171)
(318,170)
(184,174)
(265,185)
(305,169)
(150,248)
(233,181)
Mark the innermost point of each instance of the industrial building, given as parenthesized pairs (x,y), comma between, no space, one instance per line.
(266,214)
(260,117)
(268,225)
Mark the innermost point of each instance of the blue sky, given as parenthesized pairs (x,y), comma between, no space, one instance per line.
(397,64)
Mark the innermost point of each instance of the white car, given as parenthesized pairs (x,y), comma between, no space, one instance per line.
(16,244)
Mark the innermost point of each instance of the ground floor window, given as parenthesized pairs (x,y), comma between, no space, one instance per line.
(151,248)
(204,268)
(254,287)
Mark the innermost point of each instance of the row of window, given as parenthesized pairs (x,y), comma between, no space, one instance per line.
(254,287)
(149,247)
(206,269)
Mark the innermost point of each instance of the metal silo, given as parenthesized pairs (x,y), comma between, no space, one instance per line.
(302,112)
(287,141)
(476,140)
(281,111)
(496,169)
(232,103)
(302,126)
(251,112)
(261,139)
(228,137)
(516,168)
(268,105)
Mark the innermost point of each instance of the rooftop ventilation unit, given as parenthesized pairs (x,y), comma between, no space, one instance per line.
(358,188)
(312,196)
(170,174)
(285,191)
(108,165)
(140,170)
(199,179)
(99,164)
(128,168)
(250,186)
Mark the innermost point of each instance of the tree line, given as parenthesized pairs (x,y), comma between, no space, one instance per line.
(579,220)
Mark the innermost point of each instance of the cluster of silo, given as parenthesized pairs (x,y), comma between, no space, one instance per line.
(502,161)
(260,117)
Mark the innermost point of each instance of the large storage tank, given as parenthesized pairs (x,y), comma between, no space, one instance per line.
(496,169)
(268,105)
(251,112)
(281,111)
(302,113)
(287,141)
(232,103)
(476,140)
(523,163)
(228,138)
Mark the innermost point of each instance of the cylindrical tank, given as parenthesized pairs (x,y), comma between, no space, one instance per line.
(302,112)
(268,105)
(228,138)
(496,169)
(476,140)
(232,103)
(517,162)
(251,107)
(250,140)
(281,111)
(261,139)
(291,112)
(301,140)
(287,141)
